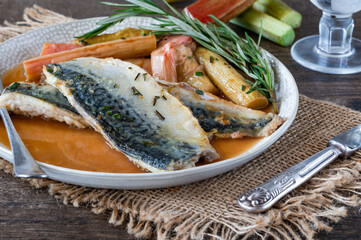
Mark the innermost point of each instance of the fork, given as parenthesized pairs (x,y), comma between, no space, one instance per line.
(24,164)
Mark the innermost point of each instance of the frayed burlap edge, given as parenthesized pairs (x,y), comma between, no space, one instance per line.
(313,207)
(34,17)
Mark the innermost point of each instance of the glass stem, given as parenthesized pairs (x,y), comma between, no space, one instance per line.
(335,34)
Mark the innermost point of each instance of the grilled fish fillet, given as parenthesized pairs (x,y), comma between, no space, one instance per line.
(46,101)
(133,113)
(224,119)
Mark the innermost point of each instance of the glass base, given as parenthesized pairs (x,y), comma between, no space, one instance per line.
(306,53)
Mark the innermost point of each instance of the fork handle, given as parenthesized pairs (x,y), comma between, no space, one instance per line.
(24,164)
(265,195)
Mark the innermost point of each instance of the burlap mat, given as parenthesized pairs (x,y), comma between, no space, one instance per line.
(208,209)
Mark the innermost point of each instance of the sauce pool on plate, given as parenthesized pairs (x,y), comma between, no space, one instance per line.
(84,149)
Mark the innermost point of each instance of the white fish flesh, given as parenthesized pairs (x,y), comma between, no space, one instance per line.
(224,119)
(134,114)
(34,100)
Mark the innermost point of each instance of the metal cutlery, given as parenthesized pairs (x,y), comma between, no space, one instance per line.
(265,195)
(24,163)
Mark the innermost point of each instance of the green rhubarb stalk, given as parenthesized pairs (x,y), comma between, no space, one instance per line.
(271,28)
(279,10)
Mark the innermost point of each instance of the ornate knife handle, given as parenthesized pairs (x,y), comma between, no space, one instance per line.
(265,195)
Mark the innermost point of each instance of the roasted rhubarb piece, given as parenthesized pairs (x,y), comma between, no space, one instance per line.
(124,49)
(49,48)
(173,62)
(224,10)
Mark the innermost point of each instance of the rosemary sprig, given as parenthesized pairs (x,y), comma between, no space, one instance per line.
(244,54)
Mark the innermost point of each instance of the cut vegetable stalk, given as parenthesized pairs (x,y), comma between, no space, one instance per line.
(49,48)
(123,49)
(221,9)
(121,34)
(229,80)
(272,28)
(279,10)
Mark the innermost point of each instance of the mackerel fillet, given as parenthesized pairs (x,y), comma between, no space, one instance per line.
(225,119)
(133,113)
(45,101)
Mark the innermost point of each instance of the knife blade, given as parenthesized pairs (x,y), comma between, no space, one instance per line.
(265,195)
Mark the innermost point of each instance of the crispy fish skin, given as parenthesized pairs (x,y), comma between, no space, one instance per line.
(45,101)
(224,119)
(134,114)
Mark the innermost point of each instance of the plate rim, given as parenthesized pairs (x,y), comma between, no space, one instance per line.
(189,171)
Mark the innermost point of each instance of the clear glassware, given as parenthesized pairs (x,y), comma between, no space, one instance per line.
(333,51)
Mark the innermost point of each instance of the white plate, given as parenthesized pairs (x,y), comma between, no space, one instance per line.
(18,49)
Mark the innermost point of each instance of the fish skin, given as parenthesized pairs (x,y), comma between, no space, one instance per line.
(156,144)
(224,119)
(45,101)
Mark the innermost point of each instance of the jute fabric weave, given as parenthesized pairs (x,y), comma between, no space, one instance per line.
(208,209)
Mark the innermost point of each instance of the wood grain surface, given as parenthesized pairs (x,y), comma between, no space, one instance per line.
(27,213)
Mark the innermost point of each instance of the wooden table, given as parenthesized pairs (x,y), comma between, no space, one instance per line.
(33,214)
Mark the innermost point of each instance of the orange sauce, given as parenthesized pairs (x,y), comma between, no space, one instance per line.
(14,75)
(55,143)
(84,149)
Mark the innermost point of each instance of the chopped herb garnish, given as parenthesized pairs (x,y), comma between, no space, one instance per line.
(84,42)
(190,57)
(243,88)
(116,116)
(211,59)
(115,85)
(129,67)
(117,129)
(78,76)
(198,74)
(136,77)
(155,100)
(49,69)
(148,143)
(164,97)
(122,38)
(145,76)
(199,92)
(136,92)
(28,88)
(144,34)
(216,59)
(14,86)
(109,112)
(106,107)
(161,117)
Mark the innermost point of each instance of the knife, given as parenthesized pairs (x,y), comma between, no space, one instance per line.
(265,195)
